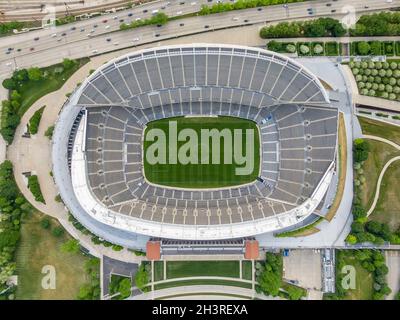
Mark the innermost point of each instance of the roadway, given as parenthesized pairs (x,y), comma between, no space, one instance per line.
(49,49)
(28,10)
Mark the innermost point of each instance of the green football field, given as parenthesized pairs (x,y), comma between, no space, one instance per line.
(201,175)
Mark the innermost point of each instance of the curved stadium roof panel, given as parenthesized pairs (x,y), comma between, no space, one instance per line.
(297,127)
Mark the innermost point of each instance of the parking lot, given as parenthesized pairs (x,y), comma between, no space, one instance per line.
(304,268)
(111,266)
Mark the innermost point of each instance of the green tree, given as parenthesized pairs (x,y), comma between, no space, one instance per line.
(34,74)
(57,231)
(295,293)
(124,288)
(9,84)
(363,48)
(71,246)
(141,277)
(45,223)
(270,280)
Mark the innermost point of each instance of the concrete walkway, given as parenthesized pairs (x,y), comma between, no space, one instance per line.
(381,175)
(201,290)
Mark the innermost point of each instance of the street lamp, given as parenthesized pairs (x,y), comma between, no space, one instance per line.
(287,9)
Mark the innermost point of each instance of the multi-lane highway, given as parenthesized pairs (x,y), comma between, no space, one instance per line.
(28,10)
(48,49)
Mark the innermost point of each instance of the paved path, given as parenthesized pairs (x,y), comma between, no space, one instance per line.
(394,145)
(201,290)
(381,175)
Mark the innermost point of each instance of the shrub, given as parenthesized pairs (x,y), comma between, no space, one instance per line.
(35,74)
(49,132)
(71,246)
(116,247)
(45,223)
(141,277)
(304,49)
(363,48)
(57,231)
(360,149)
(33,185)
(160,18)
(68,63)
(318,49)
(291,48)
(35,120)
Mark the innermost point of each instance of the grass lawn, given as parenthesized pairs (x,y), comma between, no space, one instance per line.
(202,282)
(301,232)
(180,269)
(380,153)
(34,90)
(285,286)
(38,248)
(193,175)
(380,129)
(158,270)
(246,270)
(342,154)
(364,280)
(388,206)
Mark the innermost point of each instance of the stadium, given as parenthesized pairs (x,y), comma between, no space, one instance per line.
(99,144)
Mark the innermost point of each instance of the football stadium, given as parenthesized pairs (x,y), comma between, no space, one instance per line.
(195,142)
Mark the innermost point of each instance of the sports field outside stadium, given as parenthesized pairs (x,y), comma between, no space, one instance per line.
(194,174)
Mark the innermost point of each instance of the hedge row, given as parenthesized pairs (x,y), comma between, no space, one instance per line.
(321,27)
(13,207)
(159,19)
(241,4)
(35,120)
(34,186)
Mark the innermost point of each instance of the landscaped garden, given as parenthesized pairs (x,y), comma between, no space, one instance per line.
(377,79)
(369,158)
(27,86)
